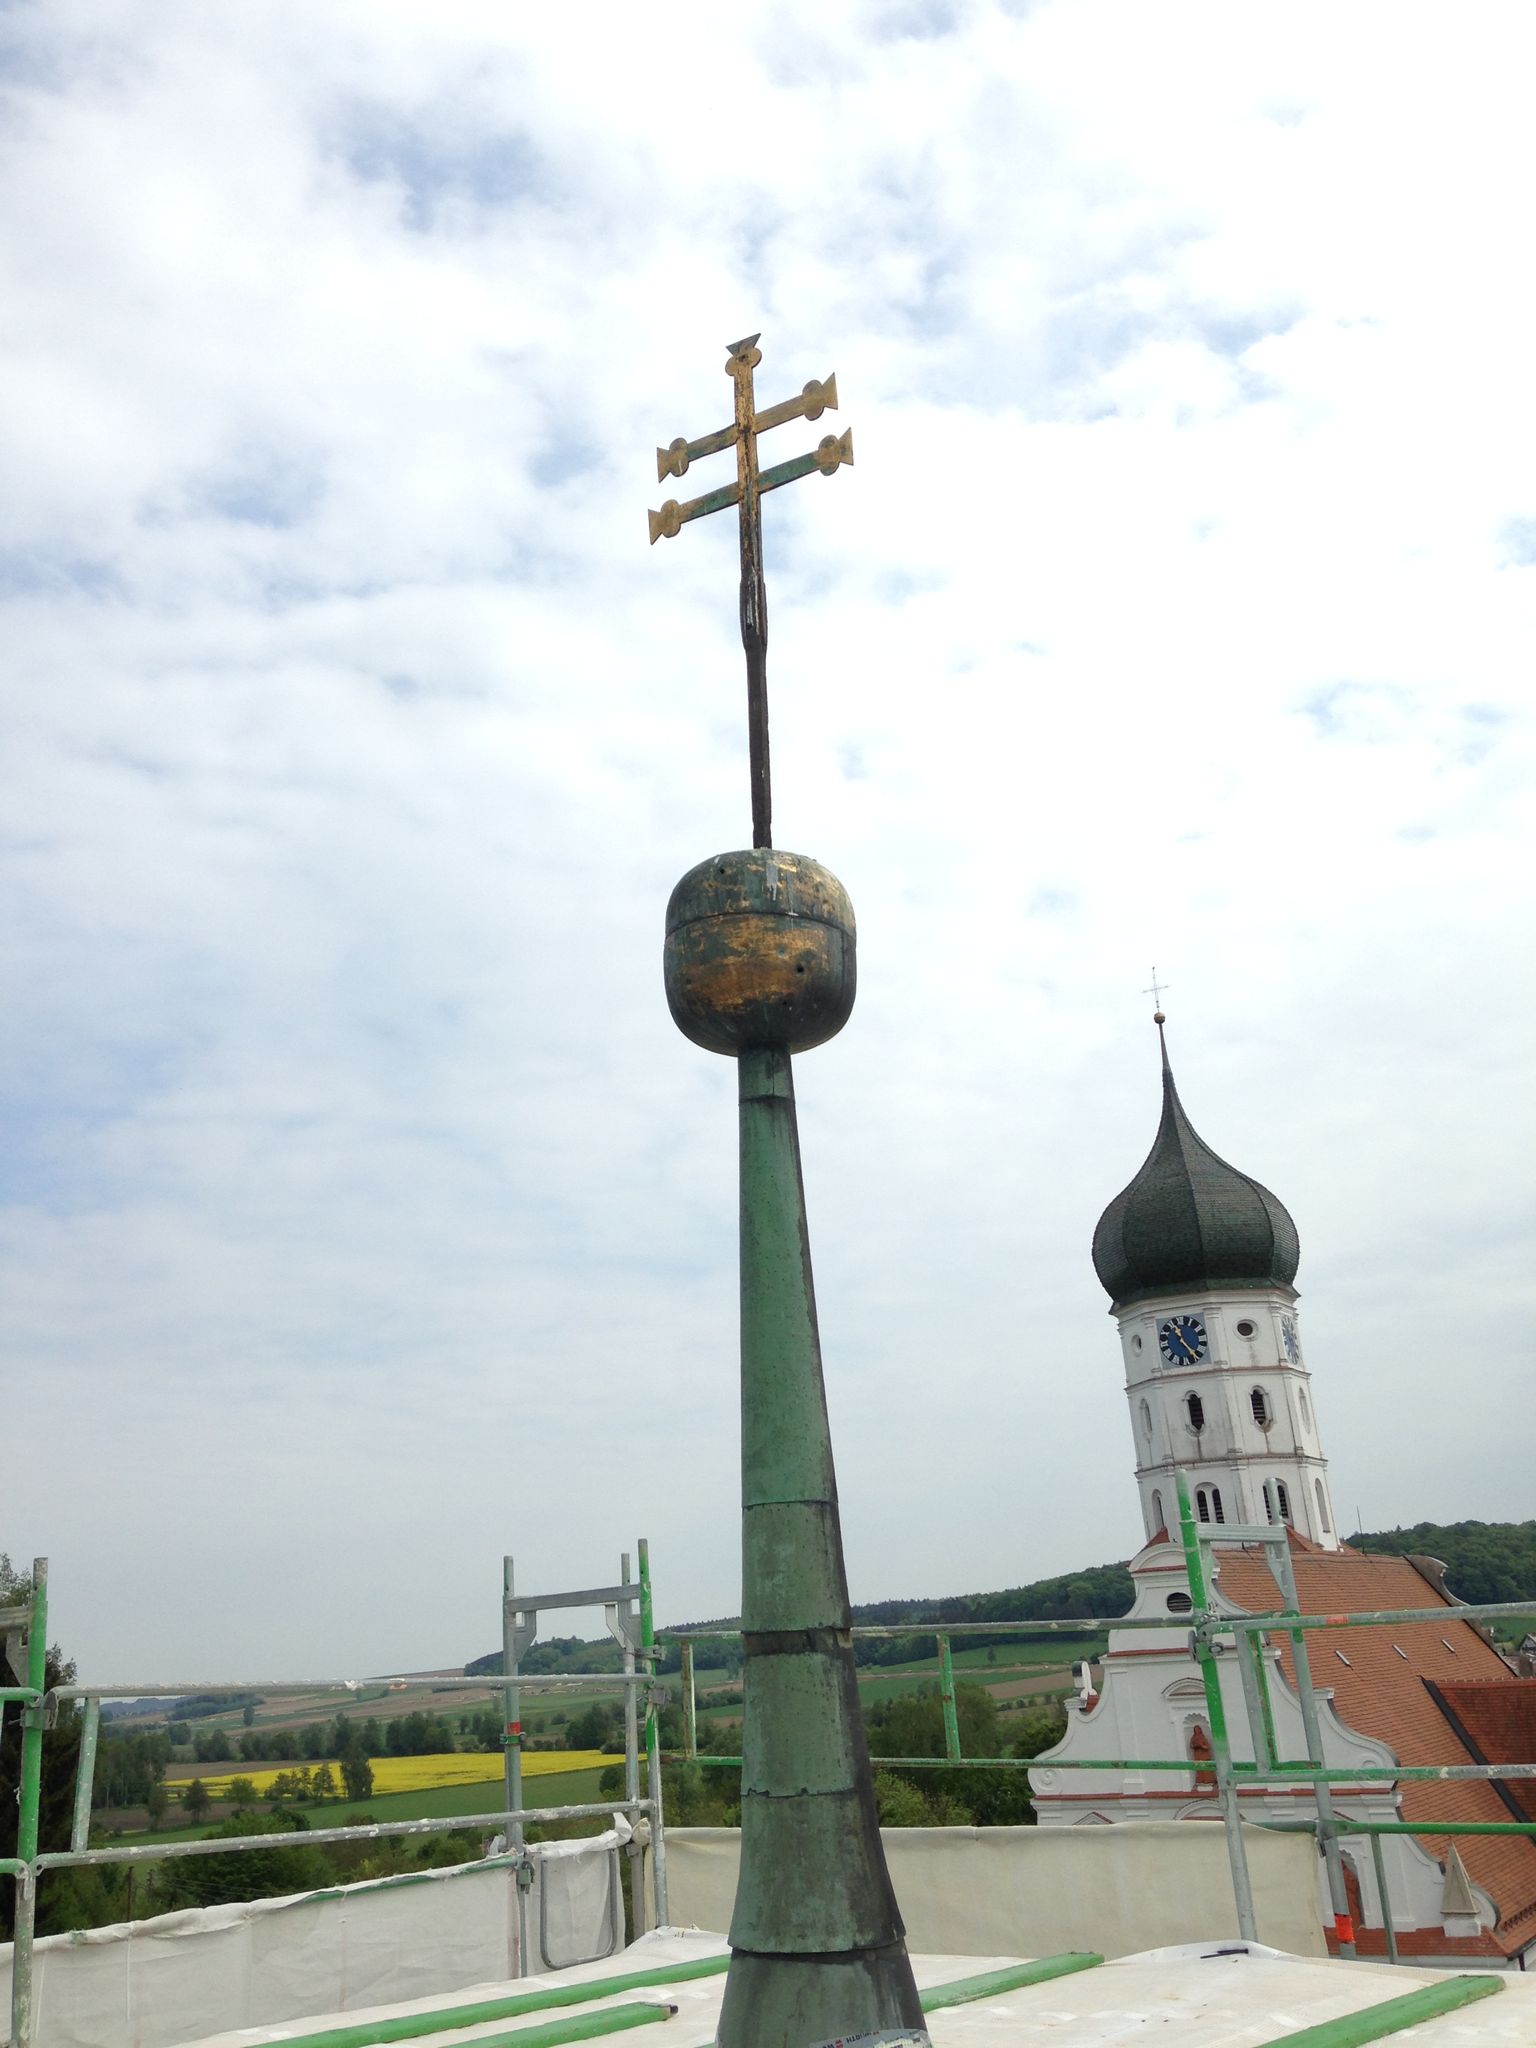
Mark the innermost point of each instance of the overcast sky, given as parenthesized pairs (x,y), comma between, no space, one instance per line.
(364,1215)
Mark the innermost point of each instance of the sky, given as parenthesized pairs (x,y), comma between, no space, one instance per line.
(363,1217)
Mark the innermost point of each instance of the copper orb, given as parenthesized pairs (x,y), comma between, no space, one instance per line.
(760,952)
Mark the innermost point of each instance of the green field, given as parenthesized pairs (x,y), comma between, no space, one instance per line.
(1008,1660)
(444,1802)
(1045,1667)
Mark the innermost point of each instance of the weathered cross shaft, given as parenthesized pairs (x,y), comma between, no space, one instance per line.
(829,455)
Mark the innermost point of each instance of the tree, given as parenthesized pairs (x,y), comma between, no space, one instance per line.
(899,1803)
(195,1799)
(242,1794)
(594,1728)
(61,1746)
(156,1801)
(913,1723)
(322,1784)
(245,1873)
(127,1765)
(357,1775)
(1041,1728)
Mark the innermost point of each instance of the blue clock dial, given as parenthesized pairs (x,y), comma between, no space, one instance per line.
(1292,1344)
(1182,1340)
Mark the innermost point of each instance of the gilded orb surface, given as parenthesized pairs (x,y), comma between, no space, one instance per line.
(760,952)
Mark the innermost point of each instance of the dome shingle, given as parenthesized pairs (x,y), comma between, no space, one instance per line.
(1189,1221)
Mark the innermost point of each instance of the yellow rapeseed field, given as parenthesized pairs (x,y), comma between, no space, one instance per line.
(417,1773)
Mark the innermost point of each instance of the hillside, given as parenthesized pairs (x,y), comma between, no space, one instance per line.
(1485,1560)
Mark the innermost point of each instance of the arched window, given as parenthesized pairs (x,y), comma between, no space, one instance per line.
(1306,1412)
(1282,1495)
(1258,1400)
(1159,1520)
(1146,1425)
(1322,1505)
(1269,1504)
(1202,1504)
(1196,1409)
(1216,1513)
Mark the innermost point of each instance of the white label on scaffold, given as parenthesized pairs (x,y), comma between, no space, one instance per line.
(900,2038)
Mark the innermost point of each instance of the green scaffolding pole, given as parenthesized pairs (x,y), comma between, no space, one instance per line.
(30,1807)
(1221,1747)
(947,1697)
(652,1740)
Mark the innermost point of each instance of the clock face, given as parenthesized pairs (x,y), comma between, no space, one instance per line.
(1181,1340)
(1292,1344)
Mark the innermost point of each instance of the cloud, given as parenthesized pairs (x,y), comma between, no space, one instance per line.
(363,1215)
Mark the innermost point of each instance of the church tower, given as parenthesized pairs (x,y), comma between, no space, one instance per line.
(1198,1261)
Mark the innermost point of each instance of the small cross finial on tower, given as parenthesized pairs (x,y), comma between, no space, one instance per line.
(829,455)
(1156,993)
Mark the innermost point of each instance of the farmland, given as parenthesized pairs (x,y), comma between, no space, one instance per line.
(393,1774)
(565,1787)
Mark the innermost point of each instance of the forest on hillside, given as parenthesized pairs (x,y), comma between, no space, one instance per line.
(1485,1561)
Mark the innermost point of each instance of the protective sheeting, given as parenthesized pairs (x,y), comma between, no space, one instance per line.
(157,1983)
(1038,1891)
(1201,1996)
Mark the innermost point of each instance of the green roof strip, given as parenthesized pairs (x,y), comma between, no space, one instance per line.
(578,2026)
(443,2019)
(1380,2022)
(1015,1977)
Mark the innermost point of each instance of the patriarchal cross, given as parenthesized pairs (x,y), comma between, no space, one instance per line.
(828,455)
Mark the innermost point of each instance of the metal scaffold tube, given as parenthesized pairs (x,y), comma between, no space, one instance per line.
(1322,1791)
(1221,1748)
(623,1627)
(652,1741)
(85,1776)
(29,1807)
(947,1697)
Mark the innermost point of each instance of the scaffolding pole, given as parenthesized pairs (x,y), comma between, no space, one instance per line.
(652,1742)
(29,1792)
(1322,1791)
(1221,1748)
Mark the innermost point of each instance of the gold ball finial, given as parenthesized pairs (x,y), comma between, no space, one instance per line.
(759,953)
(1158,1017)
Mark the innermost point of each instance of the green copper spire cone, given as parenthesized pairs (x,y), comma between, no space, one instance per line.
(760,961)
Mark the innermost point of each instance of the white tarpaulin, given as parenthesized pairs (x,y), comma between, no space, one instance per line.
(1200,1997)
(156,1983)
(1038,1891)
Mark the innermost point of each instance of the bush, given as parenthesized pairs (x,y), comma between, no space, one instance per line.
(244,1873)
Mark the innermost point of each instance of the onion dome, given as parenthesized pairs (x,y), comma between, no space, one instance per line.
(1188,1221)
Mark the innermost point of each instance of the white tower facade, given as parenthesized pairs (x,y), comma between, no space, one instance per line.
(1237,1414)
(1198,1260)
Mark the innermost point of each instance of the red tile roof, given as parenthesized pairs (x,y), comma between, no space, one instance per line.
(1496,1719)
(1381,1691)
